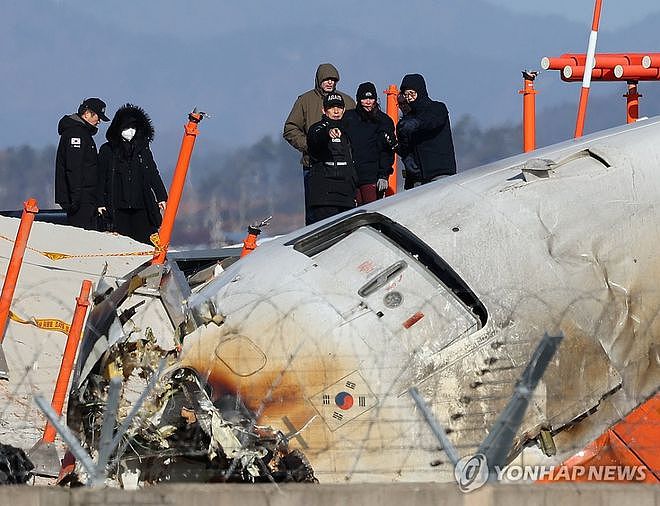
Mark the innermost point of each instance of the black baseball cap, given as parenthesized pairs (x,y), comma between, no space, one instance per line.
(94,104)
(333,99)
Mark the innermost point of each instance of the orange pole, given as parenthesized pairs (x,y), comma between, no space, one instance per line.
(529,111)
(650,60)
(607,58)
(30,209)
(250,242)
(392,109)
(582,112)
(72,340)
(606,61)
(572,73)
(586,82)
(632,102)
(557,63)
(176,188)
(636,73)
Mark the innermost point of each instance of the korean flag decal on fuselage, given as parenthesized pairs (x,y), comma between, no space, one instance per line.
(75,142)
(344,400)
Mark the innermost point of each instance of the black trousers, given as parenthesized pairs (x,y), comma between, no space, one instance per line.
(319,213)
(308,211)
(133,223)
(84,217)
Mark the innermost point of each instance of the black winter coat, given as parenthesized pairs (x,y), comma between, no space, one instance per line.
(426,133)
(130,178)
(372,138)
(332,179)
(76,164)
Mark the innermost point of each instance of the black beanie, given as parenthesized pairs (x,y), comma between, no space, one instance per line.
(366,90)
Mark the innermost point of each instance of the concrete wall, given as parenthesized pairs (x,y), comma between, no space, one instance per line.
(337,495)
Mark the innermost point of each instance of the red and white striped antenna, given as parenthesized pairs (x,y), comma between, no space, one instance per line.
(589,64)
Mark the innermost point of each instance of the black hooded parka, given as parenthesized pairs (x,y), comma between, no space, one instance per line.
(426,133)
(76,171)
(130,184)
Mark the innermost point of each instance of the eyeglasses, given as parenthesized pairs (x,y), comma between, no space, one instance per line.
(409,94)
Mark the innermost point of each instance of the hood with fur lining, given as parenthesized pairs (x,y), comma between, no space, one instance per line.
(129,115)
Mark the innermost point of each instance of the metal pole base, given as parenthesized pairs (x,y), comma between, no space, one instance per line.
(45,459)
(4,368)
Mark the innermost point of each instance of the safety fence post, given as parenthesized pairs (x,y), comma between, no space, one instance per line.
(176,188)
(392,108)
(30,209)
(529,111)
(43,454)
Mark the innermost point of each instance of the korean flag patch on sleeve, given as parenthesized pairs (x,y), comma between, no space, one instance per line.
(75,142)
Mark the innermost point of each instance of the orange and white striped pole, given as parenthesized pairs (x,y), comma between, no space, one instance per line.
(589,64)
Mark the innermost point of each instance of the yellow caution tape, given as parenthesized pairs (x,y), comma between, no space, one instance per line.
(43,323)
(53,255)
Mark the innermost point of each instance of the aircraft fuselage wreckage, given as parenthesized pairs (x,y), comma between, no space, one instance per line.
(296,362)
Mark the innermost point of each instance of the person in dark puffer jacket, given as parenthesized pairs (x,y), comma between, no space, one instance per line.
(372,140)
(425,135)
(76,164)
(332,178)
(131,192)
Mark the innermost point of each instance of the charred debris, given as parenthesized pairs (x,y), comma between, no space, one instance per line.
(163,422)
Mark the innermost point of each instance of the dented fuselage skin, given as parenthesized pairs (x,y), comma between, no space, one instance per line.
(448,288)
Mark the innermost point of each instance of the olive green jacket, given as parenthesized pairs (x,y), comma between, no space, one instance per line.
(308,109)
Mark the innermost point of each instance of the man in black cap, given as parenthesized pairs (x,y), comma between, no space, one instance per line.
(424,135)
(332,179)
(372,140)
(76,164)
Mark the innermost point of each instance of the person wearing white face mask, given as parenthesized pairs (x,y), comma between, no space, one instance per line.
(131,193)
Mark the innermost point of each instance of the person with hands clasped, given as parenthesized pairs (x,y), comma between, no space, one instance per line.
(131,193)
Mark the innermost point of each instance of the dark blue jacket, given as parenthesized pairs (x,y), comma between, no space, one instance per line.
(426,133)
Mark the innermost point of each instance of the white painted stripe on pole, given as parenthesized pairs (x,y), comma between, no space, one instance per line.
(589,63)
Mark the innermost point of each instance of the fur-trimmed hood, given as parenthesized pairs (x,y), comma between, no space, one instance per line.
(129,115)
